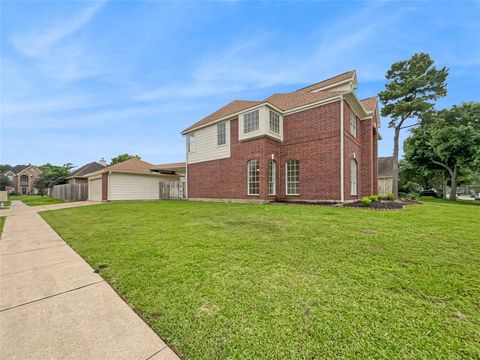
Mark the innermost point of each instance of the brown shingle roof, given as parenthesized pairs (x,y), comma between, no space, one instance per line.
(229,109)
(369,104)
(289,101)
(131,165)
(284,101)
(330,81)
(172,166)
(385,166)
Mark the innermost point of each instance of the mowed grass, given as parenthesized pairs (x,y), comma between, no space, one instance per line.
(244,281)
(2,222)
(35,200)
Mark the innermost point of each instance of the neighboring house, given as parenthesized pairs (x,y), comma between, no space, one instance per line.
(316,143)
(23,179)
(133,179)
(385,175)
(78,176)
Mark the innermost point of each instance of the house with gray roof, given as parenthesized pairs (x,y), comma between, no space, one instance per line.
(79,176)
(23,179)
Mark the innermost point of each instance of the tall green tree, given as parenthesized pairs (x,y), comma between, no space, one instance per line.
(4,168)
(448,140)
(413,86)
(4,182)
(123,157)
(52,175)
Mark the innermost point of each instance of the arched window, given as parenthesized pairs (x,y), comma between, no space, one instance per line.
(353,177)
(24,178)
(253,177)
(272,176)
(292,171)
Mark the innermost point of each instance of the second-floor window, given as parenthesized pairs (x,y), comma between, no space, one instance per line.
(191,142)
(353,124)
(24,178)
(251,122)
(221,134)
(274,123)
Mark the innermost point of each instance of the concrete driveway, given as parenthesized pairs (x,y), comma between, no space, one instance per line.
(53,305)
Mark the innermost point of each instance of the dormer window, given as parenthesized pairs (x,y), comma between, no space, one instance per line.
(353,124)
(274,123)
(251,122)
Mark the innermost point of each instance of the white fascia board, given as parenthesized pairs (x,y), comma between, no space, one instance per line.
(356,105)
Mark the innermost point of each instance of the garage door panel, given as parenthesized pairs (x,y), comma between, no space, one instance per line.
(95,190)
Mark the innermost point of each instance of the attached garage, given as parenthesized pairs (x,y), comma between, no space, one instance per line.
(133,179)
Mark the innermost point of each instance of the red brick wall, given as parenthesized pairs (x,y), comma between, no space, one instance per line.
(352,150)
(105,186)
(310,136)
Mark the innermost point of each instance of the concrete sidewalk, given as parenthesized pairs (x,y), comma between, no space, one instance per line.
(53,305)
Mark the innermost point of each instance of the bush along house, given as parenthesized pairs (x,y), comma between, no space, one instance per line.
(318,143)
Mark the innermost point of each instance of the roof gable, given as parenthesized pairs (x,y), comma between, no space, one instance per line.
(349,75)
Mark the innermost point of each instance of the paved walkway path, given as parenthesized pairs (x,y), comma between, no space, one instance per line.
(53,305)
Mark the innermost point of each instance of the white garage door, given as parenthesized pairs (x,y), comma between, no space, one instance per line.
(95,190)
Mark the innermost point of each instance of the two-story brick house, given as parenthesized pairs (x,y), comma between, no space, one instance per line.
(316,143)
(23,179)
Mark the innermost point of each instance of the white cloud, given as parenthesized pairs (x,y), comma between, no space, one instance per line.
(38,43)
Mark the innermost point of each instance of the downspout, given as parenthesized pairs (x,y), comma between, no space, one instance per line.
(342,150)
(186,168)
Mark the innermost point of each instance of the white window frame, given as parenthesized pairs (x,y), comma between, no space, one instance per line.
(191,142)
(353,177)
(288,177)
(221,133)
(274,122)
(272,177)
(353,124)
(251,121)
(256,177)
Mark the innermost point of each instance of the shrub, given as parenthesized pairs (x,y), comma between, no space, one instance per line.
(366,201)
(374,198)
(389,196)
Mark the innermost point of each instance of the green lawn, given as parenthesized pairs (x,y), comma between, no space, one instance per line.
(35,200)
(2,222)
(244,281)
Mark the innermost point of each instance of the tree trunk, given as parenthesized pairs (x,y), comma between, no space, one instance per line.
(444,184)
(395,162)
(453,190)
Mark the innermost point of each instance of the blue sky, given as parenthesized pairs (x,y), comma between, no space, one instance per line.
(85,80)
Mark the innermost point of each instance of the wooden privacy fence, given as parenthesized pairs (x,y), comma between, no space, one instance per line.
(172,190)
(70,192)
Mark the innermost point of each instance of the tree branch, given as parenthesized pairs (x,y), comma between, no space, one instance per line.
(408,126)
(443,165)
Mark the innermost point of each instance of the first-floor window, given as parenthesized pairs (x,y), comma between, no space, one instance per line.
(253,173)
(191,142)
(272,175)
(293,177)
(353,177)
